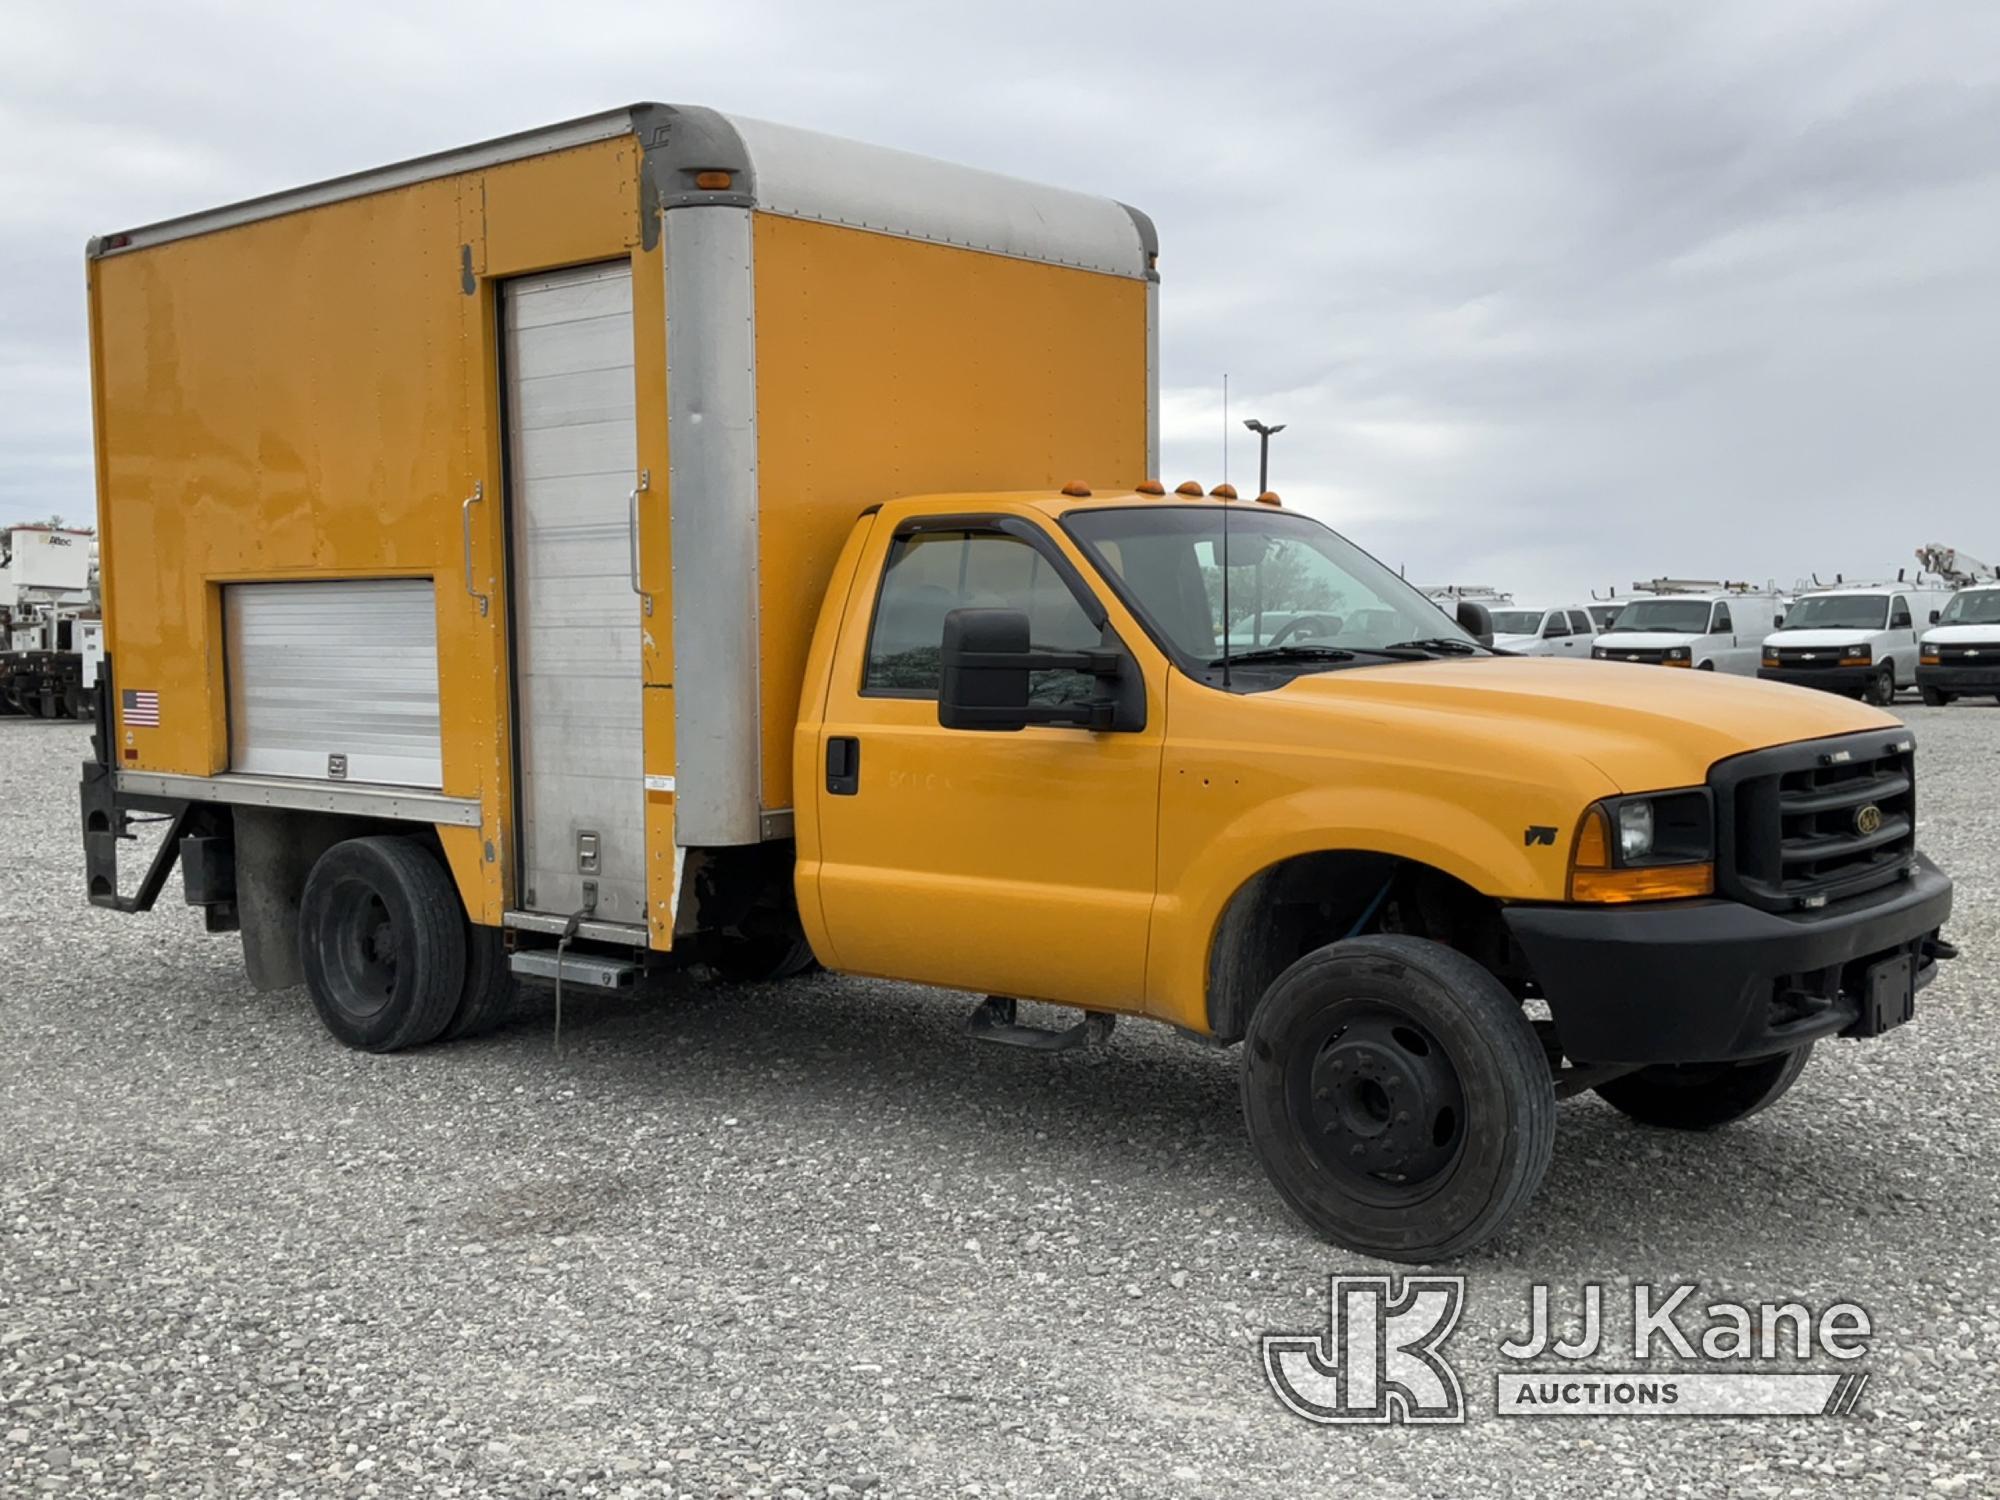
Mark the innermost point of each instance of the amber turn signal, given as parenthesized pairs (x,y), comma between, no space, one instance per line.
(713,181)
(1648,883)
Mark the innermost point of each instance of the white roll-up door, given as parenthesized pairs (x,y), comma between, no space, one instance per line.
(572,424)
(334,681)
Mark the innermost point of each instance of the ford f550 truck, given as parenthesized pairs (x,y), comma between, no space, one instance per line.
(672,536)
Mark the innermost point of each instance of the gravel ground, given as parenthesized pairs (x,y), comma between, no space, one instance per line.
(811,1240)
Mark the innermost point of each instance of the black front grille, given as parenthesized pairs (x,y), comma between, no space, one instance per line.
(1971,655)
(1651,656)
(1799,826)
(1806,658)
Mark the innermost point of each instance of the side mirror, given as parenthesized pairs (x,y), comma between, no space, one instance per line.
(1935,614)
(1476,620)
(985,660)
(1778,619)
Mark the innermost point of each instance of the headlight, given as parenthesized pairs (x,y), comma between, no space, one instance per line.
(1599,653)
(1675,653)
(1635,830)
(1655,847)
(1770,658)
(1857,656)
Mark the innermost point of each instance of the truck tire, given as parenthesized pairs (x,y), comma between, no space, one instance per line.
(72,702)
(1702,1096)
(1933,697)
(1881,689)
(757,958)
(382,942)
(487,996)
(1397,1097)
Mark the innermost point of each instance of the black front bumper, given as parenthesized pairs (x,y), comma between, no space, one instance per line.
(1707,981)
(1849,680)
(1981,679)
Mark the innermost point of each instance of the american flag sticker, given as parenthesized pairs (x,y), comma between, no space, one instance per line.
(141,708)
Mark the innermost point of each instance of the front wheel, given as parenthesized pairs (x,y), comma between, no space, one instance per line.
(382,940)
(1397,1097)
(1881,689)
(1701,1096)
(1933,697)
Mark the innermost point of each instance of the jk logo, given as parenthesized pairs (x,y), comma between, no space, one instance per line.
(1379,1361)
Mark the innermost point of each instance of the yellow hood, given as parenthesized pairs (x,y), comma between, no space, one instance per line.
(1646,728)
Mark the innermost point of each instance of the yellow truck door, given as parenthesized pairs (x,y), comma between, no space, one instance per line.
(1019,863)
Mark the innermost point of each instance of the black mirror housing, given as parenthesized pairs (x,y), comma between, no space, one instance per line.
(986,659)
(1476,620)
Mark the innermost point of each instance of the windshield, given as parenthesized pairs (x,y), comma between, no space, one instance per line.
(1837,612)
(1603,614)
(1975,607)
(1674,616)
(1293,584)
(1517,622)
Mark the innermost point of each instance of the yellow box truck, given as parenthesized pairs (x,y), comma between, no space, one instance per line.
(671,536)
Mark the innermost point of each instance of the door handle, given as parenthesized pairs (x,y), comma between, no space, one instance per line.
(465,530)
(843,765)
(632,533)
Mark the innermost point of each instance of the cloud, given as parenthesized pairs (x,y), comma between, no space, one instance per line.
(1548,294)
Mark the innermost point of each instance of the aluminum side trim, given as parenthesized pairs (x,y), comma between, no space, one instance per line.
(712,510)
(397,803)
(593,931)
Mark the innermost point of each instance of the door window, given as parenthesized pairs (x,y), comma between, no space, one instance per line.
(1556,626)
(1722,625)
(1899,615)
(1580,623)
(932,573)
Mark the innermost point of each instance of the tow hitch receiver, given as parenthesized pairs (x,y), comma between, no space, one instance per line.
(993,1021)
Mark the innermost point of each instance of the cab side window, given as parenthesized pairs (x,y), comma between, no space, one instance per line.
(1556,625)
(930,574)
(1721,624)
(1580,623)
(1899,616)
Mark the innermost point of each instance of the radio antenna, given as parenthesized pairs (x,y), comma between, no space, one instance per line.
(1225,532)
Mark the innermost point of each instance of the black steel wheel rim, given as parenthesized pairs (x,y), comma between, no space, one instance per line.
(1377,1102)
(361,949)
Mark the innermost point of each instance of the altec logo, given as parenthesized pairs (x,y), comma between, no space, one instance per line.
(1379,1361)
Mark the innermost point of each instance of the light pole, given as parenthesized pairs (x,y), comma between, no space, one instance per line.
(1264,436)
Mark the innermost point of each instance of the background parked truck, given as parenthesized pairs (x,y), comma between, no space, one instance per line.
(697,538)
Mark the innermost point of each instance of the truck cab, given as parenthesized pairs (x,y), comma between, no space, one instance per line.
(1960,654)
(1861,641)
(1717,630)
(1558,631)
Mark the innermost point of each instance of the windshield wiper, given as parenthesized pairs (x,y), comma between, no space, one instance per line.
(1444,645)
(1287,653)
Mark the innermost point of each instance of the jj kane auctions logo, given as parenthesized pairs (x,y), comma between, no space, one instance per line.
(1381,1358)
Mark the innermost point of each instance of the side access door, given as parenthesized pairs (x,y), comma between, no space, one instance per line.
(1018,862)
(1902,641)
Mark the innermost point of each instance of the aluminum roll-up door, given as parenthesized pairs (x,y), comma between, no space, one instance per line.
(334,681)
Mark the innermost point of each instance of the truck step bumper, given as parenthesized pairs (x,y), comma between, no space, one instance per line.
(588,969)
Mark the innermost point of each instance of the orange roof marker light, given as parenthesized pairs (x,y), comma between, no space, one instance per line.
(1224,492)
(1191,488)
(1149,487)
(1269,497)
(1076,488)
(713,181)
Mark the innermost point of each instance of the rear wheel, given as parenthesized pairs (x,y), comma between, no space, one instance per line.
(1397,1097)
(382,941)
(1881,688)
(1707,666)
(1701,1096)
(72,701)
(1933,697)
(487,995)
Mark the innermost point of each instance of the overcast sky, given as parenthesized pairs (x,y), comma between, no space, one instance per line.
(1551,295)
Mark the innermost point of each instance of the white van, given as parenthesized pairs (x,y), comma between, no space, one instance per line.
(1565,630)
(1960,654)
(1716,629)
(1860,640)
